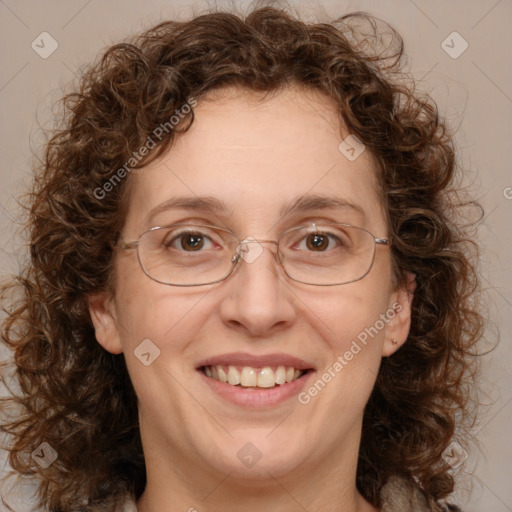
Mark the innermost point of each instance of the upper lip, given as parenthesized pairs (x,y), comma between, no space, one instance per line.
(245,359)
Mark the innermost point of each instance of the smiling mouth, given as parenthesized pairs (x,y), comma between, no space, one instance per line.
(250,377)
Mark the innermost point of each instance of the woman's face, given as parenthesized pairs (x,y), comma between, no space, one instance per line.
(258,158)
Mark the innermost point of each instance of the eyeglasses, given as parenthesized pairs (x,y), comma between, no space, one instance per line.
(197,254)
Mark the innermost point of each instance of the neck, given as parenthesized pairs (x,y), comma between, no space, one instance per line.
(187,485)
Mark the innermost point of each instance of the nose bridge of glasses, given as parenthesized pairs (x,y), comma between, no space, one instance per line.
(250,249)
(250,239)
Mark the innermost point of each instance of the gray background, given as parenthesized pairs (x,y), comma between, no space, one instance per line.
(474,91)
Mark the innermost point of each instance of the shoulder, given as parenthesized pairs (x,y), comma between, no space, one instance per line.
(128,505)
(400,493)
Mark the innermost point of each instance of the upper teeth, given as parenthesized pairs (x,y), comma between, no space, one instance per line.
(253,377)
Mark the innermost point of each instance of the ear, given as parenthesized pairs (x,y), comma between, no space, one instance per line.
(398,327)
(104,319)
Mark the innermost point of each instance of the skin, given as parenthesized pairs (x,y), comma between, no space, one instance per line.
(256,155)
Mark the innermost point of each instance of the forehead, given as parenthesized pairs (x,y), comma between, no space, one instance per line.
(257,155)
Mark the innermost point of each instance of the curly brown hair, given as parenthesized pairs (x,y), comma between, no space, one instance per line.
(78,397)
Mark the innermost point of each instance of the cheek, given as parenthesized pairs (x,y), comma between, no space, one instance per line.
(355,316)
(353,323)
(150,310)
(158,326)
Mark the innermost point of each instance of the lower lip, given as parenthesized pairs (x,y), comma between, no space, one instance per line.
(257,398)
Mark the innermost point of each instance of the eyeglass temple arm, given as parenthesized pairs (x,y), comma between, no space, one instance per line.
(382,241)
(125,246)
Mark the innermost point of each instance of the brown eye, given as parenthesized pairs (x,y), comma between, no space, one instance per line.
(192,242)
(316,241)
(187,241)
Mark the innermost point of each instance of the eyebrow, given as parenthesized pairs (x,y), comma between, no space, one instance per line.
(203,203)
(319,202)
(214,205)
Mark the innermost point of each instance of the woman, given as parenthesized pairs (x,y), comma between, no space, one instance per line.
(247,289)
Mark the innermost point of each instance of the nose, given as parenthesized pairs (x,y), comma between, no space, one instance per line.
(258,300)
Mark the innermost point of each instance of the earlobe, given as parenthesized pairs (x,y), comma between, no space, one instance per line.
(104,319)
(398,328)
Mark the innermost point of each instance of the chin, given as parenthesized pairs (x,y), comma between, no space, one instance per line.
(256,458)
